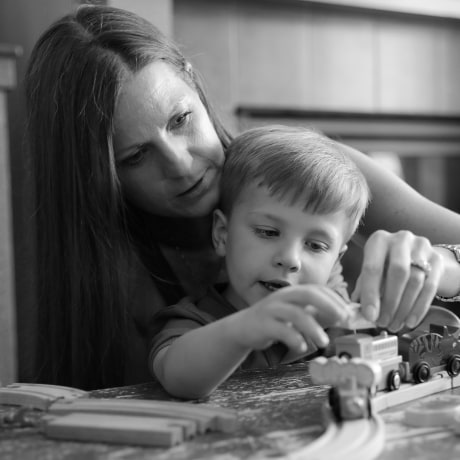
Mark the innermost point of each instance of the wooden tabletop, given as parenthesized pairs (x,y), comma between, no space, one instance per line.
(279,413)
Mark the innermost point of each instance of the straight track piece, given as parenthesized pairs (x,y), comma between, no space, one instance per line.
(117,429)
(207,418)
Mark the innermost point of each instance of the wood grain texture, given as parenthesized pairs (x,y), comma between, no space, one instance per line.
(116,429)
(305,55)
(206,417)
(280,412)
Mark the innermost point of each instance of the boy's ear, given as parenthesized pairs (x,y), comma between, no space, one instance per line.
(343,250)
(219,232)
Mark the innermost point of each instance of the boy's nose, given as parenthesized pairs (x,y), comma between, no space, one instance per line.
(289,259)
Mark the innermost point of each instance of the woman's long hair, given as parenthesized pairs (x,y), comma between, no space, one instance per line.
(85,253)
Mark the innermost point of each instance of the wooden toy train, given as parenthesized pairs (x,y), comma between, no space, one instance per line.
(365,364)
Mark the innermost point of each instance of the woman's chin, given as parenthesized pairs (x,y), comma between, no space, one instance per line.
(202,209)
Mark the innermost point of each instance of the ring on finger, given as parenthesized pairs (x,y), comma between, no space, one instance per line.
(422,265)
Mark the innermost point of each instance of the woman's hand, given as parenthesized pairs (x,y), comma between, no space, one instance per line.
(292,315)
(399,278)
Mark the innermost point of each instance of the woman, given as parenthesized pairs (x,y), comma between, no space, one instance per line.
(127,154)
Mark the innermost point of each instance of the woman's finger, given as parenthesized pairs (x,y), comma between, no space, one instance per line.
(424,300)
(372,274)
(413,289)
(397,275)
(404,280)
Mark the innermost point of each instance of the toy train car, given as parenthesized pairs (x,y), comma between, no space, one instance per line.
(353,382)
(381,363)
(412,357)
(426,352)
(382,349)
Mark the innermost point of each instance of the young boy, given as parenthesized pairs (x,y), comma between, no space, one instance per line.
(290,202)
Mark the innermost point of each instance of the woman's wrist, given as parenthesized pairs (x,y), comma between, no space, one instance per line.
(449,289)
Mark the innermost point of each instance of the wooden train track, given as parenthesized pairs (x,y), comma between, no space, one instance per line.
(69,413)
(441,381)
(37,396)
(361,439)
(364,439)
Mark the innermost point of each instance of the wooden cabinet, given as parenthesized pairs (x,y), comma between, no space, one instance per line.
(7,299)
(302,55)
(376,78)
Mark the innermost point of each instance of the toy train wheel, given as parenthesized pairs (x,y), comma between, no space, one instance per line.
(369,406)
(345,355)
(421,372)
(334,403)
(394,380)
(453,365)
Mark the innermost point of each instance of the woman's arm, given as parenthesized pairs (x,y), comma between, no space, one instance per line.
(390,287)
(449,285)
(397,206)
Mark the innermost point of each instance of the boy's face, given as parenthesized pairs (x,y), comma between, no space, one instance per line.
(269,244)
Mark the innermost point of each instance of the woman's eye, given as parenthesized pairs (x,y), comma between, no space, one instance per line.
(266,232)
(136,158)
(181,119)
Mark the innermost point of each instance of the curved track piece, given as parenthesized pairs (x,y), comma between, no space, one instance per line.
(37,396)
(361,439)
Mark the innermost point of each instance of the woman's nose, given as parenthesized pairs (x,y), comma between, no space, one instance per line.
(288,257)
(176,158)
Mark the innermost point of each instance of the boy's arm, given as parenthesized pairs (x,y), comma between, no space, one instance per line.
(194,364)
(198,361)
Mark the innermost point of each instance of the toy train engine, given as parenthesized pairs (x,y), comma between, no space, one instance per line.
(426,352)
(352,384)
(382,349)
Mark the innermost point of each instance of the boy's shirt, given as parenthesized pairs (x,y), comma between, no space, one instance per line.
(174,321)
(337,283)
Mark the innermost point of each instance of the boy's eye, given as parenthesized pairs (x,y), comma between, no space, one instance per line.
(316,246)
(266,232)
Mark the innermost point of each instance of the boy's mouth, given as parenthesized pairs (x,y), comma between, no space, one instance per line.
(274,285)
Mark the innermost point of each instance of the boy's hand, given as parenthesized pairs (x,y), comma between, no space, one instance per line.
(289,315)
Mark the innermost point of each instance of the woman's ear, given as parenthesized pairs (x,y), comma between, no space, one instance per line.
(219,232)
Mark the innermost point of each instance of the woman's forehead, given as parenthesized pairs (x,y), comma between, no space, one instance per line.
(157,84)
(148,100)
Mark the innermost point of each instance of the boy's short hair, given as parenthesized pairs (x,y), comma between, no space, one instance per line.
(298,165)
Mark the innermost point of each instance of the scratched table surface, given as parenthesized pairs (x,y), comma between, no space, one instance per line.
(279,413)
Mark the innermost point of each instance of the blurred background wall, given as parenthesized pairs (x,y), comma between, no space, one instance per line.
(383,76)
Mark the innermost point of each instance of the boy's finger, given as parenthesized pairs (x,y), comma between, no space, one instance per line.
(316,333)
(300,321)
(309,327)
(289,335)
(330,306)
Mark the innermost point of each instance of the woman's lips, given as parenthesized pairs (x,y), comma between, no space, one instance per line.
(194,187)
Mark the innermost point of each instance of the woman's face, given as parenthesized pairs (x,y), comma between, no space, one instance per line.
(167,151)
